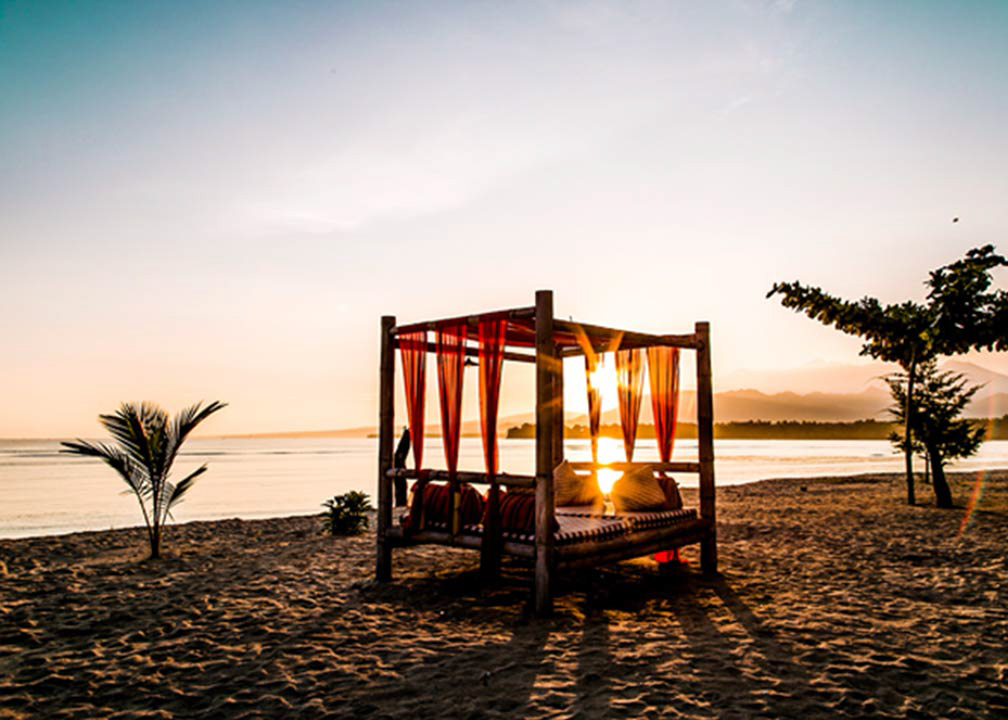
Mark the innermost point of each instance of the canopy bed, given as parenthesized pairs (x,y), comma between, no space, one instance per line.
(551,518)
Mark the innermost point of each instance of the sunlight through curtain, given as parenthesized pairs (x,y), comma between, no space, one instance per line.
(593,364)
(413,350)
(663,370)
(629,376)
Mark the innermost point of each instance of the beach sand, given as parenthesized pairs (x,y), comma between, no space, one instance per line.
(836,600)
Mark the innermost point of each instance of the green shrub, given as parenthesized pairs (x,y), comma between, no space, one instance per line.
(346,514)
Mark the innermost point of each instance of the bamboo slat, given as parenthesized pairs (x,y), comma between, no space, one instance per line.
(471,320)
(705,443)
(546,361)
(465,476)
(474,352)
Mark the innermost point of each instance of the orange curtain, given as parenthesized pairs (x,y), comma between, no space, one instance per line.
(492,337)
(451,338)
(630,376)
(593,362)
(413,350)
(663,370)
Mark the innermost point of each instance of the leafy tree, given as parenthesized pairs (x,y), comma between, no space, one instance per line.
(346,514)
(147,445)
(937,426)
(961,313)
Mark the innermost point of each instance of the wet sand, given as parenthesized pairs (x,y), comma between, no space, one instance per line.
(835,600)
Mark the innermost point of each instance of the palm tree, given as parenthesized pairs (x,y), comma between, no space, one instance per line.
(147,444)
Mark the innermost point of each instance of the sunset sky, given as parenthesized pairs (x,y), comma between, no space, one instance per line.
(219,201)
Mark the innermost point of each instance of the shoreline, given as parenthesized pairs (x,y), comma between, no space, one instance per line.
(923,494)
(839,600)
(924,499)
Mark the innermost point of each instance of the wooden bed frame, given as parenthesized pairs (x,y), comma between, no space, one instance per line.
(547,555)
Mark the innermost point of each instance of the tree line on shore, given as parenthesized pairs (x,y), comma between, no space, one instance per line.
(997,429)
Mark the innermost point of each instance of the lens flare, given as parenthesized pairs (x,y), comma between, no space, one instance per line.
(975,497)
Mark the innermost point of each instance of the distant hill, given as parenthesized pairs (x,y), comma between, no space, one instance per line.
(855,392)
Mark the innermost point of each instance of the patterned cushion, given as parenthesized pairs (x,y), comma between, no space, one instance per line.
(638,489)
(437,506)
(517,514)
(569,488)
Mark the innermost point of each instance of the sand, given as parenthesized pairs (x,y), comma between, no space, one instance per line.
(836,600)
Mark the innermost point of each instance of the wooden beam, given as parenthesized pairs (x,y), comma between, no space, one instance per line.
(558,410)
(690,467)
(474,352)
(705,442)
(466,476)
(463,540)
(471,320)
(605,338)
(545,369)
(386,423)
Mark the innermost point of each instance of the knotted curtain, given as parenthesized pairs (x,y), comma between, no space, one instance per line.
(593,362)
(451,338)
(629,376)
(663,370)
(492,339)
(413,350)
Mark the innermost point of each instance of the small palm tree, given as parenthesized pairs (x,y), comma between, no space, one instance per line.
(148,443)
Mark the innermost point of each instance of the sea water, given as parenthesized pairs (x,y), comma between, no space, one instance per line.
(45,492)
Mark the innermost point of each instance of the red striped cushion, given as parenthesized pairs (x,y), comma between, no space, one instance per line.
(517,513)
(437,505)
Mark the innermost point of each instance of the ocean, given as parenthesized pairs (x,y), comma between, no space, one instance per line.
(44,492)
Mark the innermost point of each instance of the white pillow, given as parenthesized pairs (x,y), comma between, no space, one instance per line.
(637,490)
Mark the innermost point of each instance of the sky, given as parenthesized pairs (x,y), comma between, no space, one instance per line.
(220,200)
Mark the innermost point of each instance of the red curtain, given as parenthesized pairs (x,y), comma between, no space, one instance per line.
(492,338)
(593,362)
(413,350)
(663,369)
(630,376)
(451,339)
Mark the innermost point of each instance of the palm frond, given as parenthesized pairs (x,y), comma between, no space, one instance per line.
(179,490)
(134,475)
(185,422)
(130,427)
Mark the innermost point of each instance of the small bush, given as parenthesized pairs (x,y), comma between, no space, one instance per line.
(346,514)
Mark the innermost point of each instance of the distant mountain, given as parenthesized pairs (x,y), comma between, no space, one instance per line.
(994,383)
(815,377)
(742,405)
(820,392)
(839,378)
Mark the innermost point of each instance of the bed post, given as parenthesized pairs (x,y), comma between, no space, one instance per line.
(386,418)
(705,441)
(546,360)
